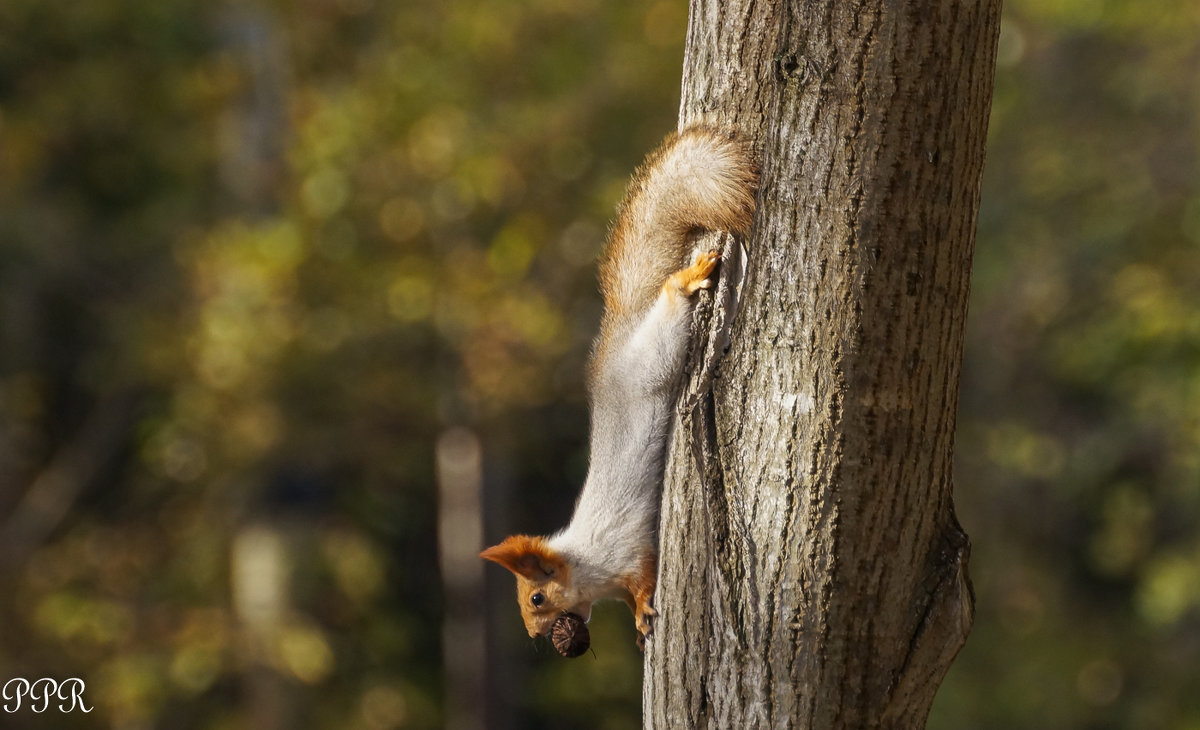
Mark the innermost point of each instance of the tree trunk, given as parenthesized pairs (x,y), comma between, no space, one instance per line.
(813,573)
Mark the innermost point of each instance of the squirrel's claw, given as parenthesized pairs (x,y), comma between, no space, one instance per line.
(644,625)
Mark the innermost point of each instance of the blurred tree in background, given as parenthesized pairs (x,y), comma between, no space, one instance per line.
(256,257)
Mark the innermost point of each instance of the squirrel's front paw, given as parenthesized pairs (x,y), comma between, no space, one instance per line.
(644,625)
(695,277)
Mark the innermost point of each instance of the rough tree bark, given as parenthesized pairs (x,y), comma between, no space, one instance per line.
(813,573)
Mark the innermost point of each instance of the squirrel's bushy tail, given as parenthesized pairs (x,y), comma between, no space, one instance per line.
(700,179)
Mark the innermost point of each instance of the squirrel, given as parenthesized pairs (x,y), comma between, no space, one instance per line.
(699,179)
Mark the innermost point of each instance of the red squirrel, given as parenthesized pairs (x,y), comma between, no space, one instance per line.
(699,179)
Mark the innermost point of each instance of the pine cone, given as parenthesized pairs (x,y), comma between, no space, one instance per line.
(570,635)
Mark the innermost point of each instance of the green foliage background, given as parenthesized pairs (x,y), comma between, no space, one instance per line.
(256,257)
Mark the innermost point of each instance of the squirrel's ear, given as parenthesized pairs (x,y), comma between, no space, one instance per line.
(527,556)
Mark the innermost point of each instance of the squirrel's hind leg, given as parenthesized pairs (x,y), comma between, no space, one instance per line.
(692,279)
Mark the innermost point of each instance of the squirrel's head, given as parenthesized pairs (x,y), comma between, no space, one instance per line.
(543,581)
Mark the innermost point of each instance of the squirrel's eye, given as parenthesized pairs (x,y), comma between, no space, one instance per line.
(537,599)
